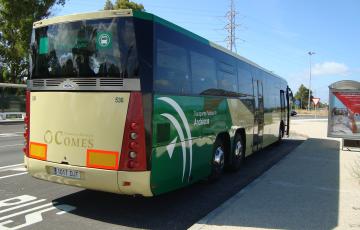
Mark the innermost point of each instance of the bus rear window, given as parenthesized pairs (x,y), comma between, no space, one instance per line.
(93,48)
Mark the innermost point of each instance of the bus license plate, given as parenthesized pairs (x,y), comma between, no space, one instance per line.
(67,173)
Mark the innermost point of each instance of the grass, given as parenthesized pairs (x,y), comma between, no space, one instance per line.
(320,112)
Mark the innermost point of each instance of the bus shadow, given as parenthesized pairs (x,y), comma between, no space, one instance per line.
(179,209)
(301,192)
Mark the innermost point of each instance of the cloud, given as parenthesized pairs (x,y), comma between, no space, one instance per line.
(286,34)
(330,68)
(355,71)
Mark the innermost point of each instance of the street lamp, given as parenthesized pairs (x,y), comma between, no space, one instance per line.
(310,54)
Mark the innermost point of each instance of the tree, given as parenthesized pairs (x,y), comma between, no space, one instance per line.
(303,96)
(127,4)
(108,5)
(16,20)
(321,105)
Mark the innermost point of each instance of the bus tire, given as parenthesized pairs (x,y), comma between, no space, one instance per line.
(238,153)
(218,160)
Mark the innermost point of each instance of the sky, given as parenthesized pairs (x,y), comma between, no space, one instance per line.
(275,34)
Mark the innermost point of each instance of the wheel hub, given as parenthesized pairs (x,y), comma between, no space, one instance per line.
(219,156)
(238,149)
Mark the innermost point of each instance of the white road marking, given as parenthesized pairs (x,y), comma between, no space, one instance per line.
(17,174)
(17,134)
(14,168)
(11,166)
(36,217)
(25,211)
(65,209)
(30,219)
(20,169)
(22,205)
(16,200)
(7,146)
(60,213)
(32,215)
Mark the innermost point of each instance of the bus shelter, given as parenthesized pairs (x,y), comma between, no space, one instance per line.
(344,112)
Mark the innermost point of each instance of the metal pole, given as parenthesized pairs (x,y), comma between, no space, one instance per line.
(2,99)
(310,53)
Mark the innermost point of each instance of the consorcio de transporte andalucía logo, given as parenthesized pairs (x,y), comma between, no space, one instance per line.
(103,40)
(170,147)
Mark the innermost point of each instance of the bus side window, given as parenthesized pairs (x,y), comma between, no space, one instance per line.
(172,69)
(203,69)
(226,76)
(227,81)
(245,80)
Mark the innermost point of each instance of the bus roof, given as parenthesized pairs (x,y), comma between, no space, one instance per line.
(145,16)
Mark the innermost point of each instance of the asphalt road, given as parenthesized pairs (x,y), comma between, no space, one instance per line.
(11,143)
(28,203)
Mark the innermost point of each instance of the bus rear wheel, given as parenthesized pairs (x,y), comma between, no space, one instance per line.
(238,153)
(218,160)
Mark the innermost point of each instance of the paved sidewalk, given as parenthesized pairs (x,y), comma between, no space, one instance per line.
(314,187)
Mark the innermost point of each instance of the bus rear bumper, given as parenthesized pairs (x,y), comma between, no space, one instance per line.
(121,182)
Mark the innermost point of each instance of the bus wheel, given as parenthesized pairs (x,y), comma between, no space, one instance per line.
(218,160)
(238,154)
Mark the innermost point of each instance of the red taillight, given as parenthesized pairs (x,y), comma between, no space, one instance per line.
(133,145)
(27,124)
(133,152)
(134,126)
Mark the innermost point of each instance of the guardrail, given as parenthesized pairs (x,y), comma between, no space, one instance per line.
(12,102)
(12,116)
(9,85)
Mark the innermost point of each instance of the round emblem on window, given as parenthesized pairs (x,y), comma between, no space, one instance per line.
(104,40)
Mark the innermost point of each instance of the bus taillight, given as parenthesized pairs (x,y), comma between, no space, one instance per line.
(27,124)
(133,152)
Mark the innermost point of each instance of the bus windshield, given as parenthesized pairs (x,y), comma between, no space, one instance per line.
(88,48)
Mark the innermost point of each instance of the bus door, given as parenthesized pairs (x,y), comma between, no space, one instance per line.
(289,96)
(258,115)
(282,106)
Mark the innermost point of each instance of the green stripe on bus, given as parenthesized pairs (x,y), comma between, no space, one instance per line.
(185,128)
(143,15)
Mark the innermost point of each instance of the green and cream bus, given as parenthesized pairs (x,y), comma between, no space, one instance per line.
(129,103)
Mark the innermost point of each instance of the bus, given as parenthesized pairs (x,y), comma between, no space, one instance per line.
(126,102)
